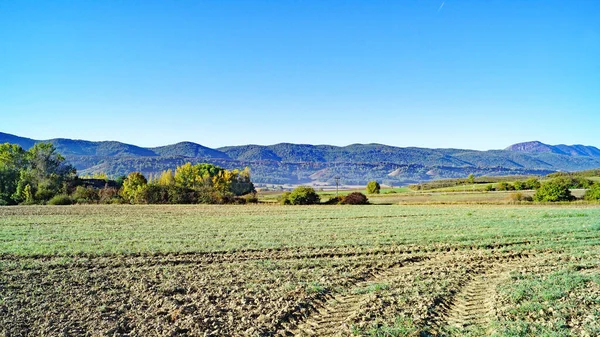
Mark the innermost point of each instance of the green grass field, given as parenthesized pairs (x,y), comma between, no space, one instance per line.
(271,270)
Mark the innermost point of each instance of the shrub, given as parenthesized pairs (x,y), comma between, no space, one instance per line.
(86,195)
(155,194)
(489,187)
(284,198)
(251,198)
(593,193)
(532,184)
(520,185)
(209,195)
(355,198)
(109,195)
(504,186)
(334,201)
(554,190)
(373,187)
(61,199)
(303,195)
(181,195)
(520,197)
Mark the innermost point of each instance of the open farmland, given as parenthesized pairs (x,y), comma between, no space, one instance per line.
(270,270)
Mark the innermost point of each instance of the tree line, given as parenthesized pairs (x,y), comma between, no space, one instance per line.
(41,175)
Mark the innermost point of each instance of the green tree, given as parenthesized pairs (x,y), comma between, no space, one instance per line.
(12,160)
(373,187)
(303,195)
(195,176)
(46,173)
(133,187)
(520,185)
(533,184)
(471,179)
(554,190)
(593,193)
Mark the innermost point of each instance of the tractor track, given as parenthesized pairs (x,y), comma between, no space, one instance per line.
(151,260)
(473,305)
(331,318)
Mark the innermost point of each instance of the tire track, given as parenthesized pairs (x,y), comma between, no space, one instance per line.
(332,319)
(474,304)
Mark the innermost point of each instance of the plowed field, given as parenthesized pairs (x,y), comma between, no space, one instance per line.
(300,271)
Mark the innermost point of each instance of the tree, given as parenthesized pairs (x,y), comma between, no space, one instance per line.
(373,187)
(471,179)
(196,176)
(302,195)
(167,178)
(46,173)
(593,193)
(554,190)
(12,160)
(520,185)
(533,183)
(133,187)
(187,176)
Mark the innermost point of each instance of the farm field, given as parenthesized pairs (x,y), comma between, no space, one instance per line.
(270,270)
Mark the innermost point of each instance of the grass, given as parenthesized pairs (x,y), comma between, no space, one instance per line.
(550,304)
(106,230)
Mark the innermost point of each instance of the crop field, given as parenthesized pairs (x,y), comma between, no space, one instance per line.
(270,270)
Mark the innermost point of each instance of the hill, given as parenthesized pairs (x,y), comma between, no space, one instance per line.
(302,163)
(569,150)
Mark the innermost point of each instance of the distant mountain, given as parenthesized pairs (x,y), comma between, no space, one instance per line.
(569,150)
(189,149)
(25,143)
(302,163)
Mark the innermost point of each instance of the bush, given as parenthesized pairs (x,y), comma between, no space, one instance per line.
(554,190)
(520,197)
(504,186)
(489,187)
(61,199)
(532,184)
(251,198)
(109,195)
(593,193)
(334,201)
(373,187)
(355,198)
(86,195)
(284,198)
(520,185)
(209,195)
(301,195)
(155,194)
(181,195)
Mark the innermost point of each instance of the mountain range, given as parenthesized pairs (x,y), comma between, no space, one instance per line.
(301,163)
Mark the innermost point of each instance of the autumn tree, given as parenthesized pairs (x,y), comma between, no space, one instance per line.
(167,178)
(373,187)
(133,187)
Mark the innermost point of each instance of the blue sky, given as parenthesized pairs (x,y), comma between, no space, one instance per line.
(455,73)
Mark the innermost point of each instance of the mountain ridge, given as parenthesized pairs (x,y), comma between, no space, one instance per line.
(288,162)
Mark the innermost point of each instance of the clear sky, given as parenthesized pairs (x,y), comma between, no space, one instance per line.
(455,73)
